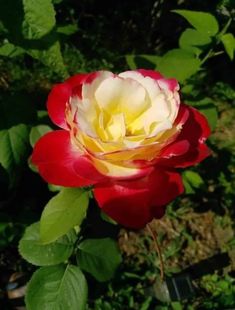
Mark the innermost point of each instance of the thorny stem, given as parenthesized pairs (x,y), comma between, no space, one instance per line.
(153,233)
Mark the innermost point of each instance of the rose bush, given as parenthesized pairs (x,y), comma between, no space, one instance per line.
(124,134)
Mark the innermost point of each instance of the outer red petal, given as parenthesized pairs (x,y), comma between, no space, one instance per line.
(60,95)
(194,132)
(77,79)
(135,203)
(171,84)
(164,188)
(57,161)
(56,104)
(151,73)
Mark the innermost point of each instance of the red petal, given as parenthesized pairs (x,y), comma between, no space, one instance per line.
(151,73)
(171,84)
(77,79)
(176,149)
(195,131)
(60,95)
(58,161)
(135,203)
(56,104)
(165,187)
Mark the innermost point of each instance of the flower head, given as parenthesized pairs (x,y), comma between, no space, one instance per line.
(125,134)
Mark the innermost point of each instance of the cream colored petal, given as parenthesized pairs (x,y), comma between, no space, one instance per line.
(158,128)
(148,83)
(161,107)
(88,89)
(116,95)
(115,169)
(116,127)
(86,116)
(97,146)
(146,122)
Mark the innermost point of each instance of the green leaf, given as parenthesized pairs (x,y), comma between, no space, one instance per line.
(39,18)
(10,50)
(176,305)
(130,59)
(64,211)
(211,114)
(228,41)
(202,21)
(179,64)
(142,61)
(191,38)
(99,257)
(37,132)
(67,29)
(39,38)
(50,57)
(54,188)
(151,58)
(107,219)
(207,107)
(192,180)
(44,255)
(188,189)
(57,287)
(16,112)
(14,147)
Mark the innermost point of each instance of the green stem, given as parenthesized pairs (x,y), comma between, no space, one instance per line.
(210,53)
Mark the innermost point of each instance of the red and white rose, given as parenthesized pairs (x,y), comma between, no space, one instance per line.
(124,134)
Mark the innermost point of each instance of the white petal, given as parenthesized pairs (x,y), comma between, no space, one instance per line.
(148,83)
(116,95)
(116,127)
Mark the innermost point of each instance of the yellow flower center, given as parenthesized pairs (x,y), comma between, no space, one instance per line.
(124,118)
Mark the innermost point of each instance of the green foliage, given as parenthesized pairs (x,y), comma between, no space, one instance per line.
(192,181)
(68,207)
(178,63)
(14,148)
(201,21)
(31,29)
(190,39)
(37,132)
(208,108)
(16,114)
(38,254)
(222,290)
(106,218)
(186,61)
(67,29)
(142,61)
(228,41)
(51,57)
(57,287)
(10,50)
(39,18)
(99,257)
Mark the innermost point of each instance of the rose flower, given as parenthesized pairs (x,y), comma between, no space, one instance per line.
(124,134)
